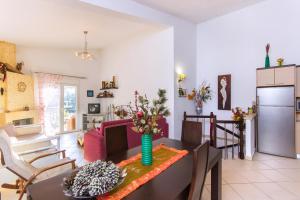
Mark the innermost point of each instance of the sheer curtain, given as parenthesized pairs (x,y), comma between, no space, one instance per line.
(48,101)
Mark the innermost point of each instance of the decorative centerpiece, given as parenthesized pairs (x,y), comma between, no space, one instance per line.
(238,115)
(201,96)
(145,118)
(267,61)
(94,179)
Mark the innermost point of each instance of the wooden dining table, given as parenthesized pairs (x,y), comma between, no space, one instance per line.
(167,185)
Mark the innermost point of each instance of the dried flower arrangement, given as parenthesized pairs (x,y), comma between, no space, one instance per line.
(145,116)
(94,179)
(202,95)
(120,111)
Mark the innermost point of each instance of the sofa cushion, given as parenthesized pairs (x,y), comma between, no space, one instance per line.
(10,130)
(28,129)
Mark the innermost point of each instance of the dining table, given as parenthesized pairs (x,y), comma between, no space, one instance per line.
(169,184)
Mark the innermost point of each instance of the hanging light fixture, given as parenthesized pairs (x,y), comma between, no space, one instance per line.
(84,55)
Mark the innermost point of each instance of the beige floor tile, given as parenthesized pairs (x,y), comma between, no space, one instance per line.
(293,174)
(206,194)
(261,157)
(274,175)
(234,177)
(255,176)
(249,192)
(228,193)
(293,187)
(276,192)
(283,164)
(208,180)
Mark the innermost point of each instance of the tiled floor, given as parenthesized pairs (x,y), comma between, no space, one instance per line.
(265,178)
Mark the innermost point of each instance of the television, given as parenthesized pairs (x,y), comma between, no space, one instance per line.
(94,108)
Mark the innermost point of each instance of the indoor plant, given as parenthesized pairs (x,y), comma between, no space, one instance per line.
(145,117)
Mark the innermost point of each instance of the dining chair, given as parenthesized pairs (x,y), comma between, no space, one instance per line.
(191,132)
(26,171)
(116,139)
(200,158)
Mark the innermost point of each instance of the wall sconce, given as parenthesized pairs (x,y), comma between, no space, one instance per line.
(181,77)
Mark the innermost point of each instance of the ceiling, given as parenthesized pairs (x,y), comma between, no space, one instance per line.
(198,10)
(60,23)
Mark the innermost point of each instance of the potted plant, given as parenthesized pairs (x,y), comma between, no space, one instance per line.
(145,117)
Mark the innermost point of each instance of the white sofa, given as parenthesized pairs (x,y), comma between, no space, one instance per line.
(27,139)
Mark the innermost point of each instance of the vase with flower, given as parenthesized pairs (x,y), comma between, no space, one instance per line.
(145,117)
(200,97)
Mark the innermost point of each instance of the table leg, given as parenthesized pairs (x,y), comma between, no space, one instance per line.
(216,181)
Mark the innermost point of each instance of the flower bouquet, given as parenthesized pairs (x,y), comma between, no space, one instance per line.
(201,96)
(145,117)
(238,115)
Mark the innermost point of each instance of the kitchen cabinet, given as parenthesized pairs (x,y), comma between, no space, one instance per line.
(277,76)
(285,76)
(298,82)
(265,77)
(297,137)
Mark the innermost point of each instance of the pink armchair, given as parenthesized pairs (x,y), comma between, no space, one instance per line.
(94,143)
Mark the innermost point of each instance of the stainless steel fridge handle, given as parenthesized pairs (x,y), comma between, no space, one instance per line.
(257,100)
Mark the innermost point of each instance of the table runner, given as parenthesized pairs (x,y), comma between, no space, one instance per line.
(137,174)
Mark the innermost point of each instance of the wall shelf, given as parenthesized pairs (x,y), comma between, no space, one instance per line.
(110,88)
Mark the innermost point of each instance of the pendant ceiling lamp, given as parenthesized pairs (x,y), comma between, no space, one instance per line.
(85,55)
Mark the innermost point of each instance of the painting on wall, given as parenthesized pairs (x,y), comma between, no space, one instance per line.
(224,92)
(90,93)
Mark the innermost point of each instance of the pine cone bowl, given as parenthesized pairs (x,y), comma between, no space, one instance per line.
(94,179)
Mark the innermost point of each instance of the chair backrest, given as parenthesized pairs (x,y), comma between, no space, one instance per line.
(10,160)
(199,171)
(115,139)
(191,132)
(5,148)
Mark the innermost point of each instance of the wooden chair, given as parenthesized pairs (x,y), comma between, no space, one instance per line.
(26,172)
(200,157)
(116,140)
(191,132)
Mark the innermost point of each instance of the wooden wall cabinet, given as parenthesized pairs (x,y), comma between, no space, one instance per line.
(285,76)
(298,82)
(277,76)
(265,77)
(297,137)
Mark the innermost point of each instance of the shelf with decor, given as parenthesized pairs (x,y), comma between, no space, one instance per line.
(100,97)
(110,88)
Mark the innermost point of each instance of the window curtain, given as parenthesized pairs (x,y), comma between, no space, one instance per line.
(48,101)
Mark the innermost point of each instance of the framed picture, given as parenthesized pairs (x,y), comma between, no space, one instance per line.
(224,92)
(90,93)
(94,108)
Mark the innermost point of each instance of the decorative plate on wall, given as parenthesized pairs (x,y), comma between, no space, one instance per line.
(21,87)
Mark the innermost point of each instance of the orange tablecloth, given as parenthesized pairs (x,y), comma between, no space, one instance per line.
(137,174)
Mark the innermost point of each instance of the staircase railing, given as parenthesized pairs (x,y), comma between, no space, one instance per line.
(217,125)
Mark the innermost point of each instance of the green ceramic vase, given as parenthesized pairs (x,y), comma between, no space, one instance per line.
(267,62)
(147,149)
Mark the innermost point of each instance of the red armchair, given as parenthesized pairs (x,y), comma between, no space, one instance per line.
(94,143)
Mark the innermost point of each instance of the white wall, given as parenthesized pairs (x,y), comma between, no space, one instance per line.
(234,44)
(63,61)
(144,63)
(184,51)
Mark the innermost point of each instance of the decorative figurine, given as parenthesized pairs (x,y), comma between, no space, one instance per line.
(267,61)
(280,62)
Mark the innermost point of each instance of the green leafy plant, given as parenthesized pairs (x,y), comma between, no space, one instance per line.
(145,116)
